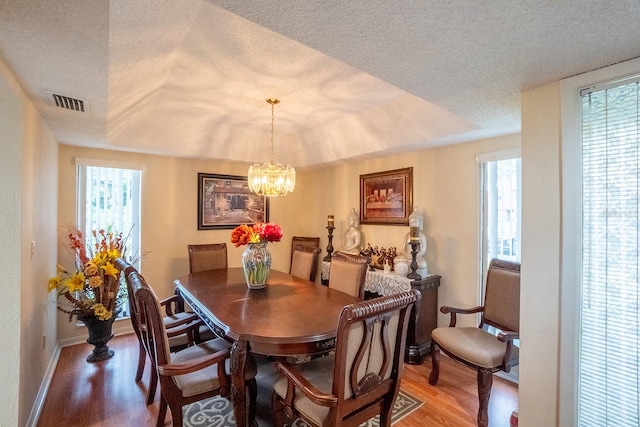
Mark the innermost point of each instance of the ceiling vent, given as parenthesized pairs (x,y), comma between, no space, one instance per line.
(67,102)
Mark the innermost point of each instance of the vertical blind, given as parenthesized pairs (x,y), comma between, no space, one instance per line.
(608,379)
(109,199)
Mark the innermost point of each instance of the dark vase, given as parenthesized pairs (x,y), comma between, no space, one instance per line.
(99,335)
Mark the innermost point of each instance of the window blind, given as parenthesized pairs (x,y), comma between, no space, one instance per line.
(608,379)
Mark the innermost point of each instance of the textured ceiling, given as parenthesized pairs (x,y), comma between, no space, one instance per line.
(355,79)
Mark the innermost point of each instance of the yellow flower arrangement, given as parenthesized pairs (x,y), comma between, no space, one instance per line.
(94,288)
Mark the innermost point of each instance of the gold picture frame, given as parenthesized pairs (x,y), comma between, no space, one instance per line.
(386,197)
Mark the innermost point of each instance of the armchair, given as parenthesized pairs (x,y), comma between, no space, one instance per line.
(361,379)
(477,348)
(209,256)
(190,375)
(348,273)
(304,263)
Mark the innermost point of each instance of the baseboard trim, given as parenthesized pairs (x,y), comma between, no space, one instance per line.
(36,409)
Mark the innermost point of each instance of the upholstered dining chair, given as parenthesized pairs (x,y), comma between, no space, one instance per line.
(361,379)
(208,256)
(198,372)
(476,347)
(312,242)
(180,333)
(304,263)
(347,273)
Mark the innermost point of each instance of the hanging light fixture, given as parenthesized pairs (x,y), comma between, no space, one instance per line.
(269,179)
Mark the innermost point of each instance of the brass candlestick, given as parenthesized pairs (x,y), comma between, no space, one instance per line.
(415,244)
(329,246)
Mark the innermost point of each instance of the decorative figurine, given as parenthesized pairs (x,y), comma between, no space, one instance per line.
(352,235)
(416,223)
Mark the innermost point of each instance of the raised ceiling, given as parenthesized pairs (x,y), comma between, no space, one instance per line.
(189,78)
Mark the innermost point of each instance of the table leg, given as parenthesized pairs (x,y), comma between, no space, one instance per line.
(239,355)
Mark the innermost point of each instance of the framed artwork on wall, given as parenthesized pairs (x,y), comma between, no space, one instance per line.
(225,201)
(386,197)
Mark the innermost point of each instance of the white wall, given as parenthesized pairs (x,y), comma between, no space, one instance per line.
(28,175)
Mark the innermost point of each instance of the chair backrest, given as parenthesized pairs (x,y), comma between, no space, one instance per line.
(304,263)
(369,354)
(347,273)
(208,256)
(502,295)
(312,242)
(150,320)
(126,269)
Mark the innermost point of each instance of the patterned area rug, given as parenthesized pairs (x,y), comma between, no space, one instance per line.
(218,412)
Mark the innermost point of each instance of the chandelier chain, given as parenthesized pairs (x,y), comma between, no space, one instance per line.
(272,120)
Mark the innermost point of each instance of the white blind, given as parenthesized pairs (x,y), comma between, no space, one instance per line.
(608,379)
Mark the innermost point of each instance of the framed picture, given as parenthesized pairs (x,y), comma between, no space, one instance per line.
(386,197)
(225,201)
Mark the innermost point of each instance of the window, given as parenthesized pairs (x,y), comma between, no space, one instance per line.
(500,206)
(609,302)
(109,198)
(500,180)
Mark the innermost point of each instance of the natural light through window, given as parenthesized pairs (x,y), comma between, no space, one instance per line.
(109,199)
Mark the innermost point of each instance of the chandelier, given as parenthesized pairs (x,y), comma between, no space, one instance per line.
(269,179)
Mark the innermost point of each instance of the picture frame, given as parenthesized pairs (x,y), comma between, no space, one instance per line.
(225,201)
(386,197)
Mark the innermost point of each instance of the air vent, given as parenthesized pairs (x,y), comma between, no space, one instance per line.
(68,103)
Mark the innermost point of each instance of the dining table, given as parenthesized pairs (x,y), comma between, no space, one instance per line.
(290,316)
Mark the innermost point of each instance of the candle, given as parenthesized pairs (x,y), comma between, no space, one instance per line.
(330,221)
(414,234)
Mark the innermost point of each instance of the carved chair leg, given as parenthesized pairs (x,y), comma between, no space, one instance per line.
(176,415)
(252,389)
(435,363)
(485,380)
(162,412)
(277,410)
(142,358)
(153,383)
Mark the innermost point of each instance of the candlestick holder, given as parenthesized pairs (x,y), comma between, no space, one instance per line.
(414,263)
(330,245)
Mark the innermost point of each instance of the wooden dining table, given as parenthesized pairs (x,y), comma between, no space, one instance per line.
(289,317)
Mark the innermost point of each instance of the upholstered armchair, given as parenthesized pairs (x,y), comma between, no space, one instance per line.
(208,256)
(362,378)
(478,348)
(348,273)
(304,263)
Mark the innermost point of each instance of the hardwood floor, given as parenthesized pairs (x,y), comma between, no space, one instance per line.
(105,394)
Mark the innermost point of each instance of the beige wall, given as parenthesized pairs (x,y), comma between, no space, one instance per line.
(541,243)
(445,190)
(28,171)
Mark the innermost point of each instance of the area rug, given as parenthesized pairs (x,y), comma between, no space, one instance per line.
(218,412)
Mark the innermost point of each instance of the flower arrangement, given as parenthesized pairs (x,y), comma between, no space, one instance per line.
(256,259)
(260,232)
(94,287)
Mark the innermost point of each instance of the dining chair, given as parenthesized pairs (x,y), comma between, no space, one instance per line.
(179,336)
(312,242)
(347,273)
(361,379)
(208,256)
(195,373)
(304,263)
(476,347)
